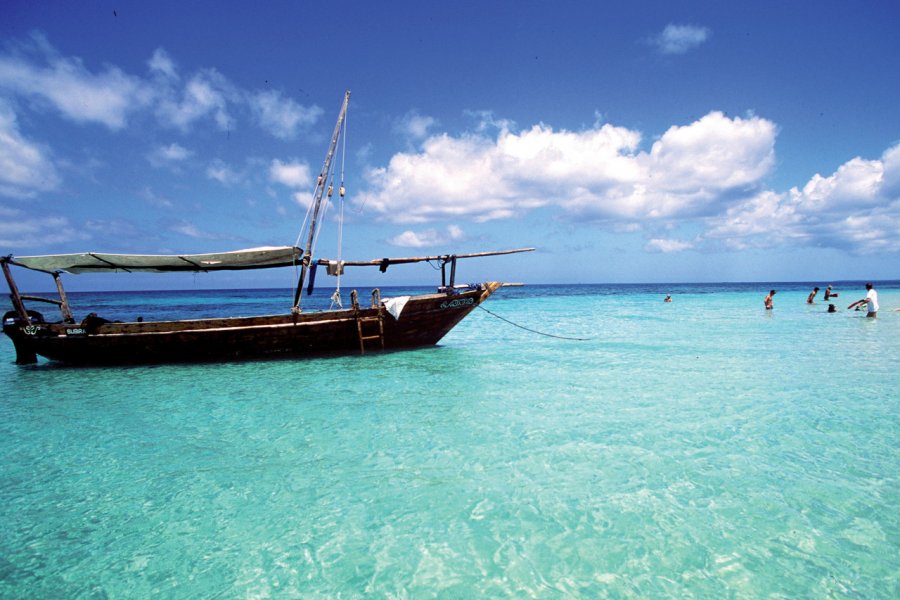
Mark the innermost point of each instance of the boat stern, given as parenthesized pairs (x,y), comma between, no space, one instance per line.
(18,331)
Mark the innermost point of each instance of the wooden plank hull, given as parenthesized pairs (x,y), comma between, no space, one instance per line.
(423,322)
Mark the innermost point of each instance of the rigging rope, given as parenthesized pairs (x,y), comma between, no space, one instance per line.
(340,240)
(308,211)
(559,337)
(330,188)
(336,297)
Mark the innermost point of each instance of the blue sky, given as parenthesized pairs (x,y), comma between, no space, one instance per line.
(628,142)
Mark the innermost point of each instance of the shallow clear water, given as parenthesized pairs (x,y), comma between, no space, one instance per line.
(703,448)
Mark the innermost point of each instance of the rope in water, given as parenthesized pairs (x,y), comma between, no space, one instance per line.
(560,337)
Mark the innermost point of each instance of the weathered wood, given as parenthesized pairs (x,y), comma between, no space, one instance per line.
(64,304)
(14,292)
(424,321)
(42,299)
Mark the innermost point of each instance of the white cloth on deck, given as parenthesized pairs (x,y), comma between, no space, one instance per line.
(395,305)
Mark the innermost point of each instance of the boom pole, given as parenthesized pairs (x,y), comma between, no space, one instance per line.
(321,184)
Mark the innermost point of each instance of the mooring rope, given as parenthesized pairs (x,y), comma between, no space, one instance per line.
(560,337)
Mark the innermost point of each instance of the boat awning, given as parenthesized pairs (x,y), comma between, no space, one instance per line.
(95,262)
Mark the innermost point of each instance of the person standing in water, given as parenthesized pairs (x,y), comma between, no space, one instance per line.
(871,302)
(829,293)
(809,300)
(768,300)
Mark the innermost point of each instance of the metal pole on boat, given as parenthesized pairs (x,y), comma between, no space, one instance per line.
(321,184)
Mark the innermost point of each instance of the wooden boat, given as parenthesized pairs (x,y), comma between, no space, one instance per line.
(397,323)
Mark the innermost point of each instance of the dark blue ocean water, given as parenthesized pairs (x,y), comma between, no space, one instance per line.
(702,448)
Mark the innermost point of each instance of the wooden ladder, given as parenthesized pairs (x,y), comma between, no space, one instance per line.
(362,322)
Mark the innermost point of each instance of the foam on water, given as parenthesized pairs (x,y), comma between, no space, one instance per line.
(700,448)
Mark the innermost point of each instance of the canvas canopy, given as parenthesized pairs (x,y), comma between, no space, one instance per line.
(95,262)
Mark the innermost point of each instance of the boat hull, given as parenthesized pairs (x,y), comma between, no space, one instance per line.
(424,320)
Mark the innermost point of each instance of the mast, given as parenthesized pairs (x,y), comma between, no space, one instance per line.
(321,184)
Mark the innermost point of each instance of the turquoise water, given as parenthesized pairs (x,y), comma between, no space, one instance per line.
(704,448)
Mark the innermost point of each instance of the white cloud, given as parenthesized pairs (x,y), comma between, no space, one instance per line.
(857,208)
(25,168)
(21,229)
(168,155)
(108,97)
(596,174)
(292,175)
(678,39)
(189,229)
(710,173)
(486,121)
(153,199)
(111,97)
(160,63)
(855,184)
(304,199)
(281,116)
(115,231)
(667,245)
(206,94)
(415,126)
(222,173)
(427,238)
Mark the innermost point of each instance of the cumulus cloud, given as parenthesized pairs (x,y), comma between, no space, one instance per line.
(427,238)
(597,174)
(710,173)
(856,208)
(678,39)
(691,171)
(25,167)
(281,116)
